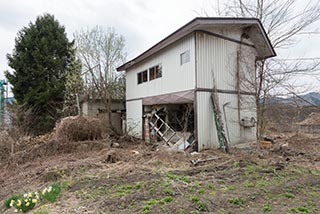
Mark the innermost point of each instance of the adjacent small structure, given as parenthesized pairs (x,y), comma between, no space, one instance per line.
(94,107)
(176,78)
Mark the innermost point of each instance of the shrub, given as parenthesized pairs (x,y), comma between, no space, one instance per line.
(73,129)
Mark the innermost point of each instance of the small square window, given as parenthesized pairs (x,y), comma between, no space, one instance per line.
(142,77)
(158,71)
(152,73)
(185,57)
(155,72)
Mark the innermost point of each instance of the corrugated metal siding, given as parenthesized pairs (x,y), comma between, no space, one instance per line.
(207,135)
(218,57)
(175,77)
(207,132)
(134,117)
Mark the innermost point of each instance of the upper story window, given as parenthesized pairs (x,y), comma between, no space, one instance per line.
(155,72)
(185,57)
(142,76)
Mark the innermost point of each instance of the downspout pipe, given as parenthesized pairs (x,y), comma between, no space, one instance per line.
(225,118)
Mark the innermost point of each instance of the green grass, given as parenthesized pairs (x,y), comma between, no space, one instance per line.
(178,177)
(266,207)
(52,193)
(199,204)
(152,202)
(288,195)
(236,201)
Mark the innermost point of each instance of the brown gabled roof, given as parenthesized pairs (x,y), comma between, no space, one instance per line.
(262,42)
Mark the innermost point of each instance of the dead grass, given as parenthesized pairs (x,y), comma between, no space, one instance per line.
(73,129)
(121,176)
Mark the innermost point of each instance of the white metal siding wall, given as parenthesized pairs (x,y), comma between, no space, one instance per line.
(175,77)
(237,133)
(217,56)
(207,134)
(134,117)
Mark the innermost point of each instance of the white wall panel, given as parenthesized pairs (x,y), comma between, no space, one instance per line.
(216,58)
(175,77)
(134,117)
(207,132)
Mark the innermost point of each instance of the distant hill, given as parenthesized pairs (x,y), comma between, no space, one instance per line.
(312,98)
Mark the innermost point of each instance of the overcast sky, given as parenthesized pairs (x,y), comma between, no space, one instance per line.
(141,22)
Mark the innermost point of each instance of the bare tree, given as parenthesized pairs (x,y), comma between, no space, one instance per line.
(100,52)
(284,21)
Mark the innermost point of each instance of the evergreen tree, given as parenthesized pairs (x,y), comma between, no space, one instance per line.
(40,61)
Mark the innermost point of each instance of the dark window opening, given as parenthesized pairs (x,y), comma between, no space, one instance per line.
(155,72)
(142,77)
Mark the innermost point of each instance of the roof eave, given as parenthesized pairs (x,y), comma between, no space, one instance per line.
(190,27)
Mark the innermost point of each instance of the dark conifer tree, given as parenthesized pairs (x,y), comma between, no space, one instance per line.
(40,62)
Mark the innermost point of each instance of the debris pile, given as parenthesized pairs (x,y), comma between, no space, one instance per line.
(73,129)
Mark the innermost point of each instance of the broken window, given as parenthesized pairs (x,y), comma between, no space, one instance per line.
(142,77)
(155,72)
(185,57)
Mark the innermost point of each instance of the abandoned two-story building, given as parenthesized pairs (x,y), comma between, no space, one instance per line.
(177,76)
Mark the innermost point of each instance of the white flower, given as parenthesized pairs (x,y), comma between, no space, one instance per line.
(44,191)
(50,188)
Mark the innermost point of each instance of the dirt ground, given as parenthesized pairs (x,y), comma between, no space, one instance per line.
(128,176)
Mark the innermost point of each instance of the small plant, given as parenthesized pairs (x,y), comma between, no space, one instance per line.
(168,191)
(266,207)
(146,209)
(167,199)
(152,202)
(7,203)
(23,203)
(289,195)
(51,193)
(201,191)
(178,177)
(303,209)
(248,184)
(200,205)
(237,201)
(26,202)
(211,186)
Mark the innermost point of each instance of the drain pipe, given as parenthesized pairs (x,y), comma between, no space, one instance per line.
(225,118)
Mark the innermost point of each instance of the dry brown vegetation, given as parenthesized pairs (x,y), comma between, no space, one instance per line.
(73,129)
(125,175)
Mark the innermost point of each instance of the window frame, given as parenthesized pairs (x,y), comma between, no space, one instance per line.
(157,72)
(185,57)
(140,76)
